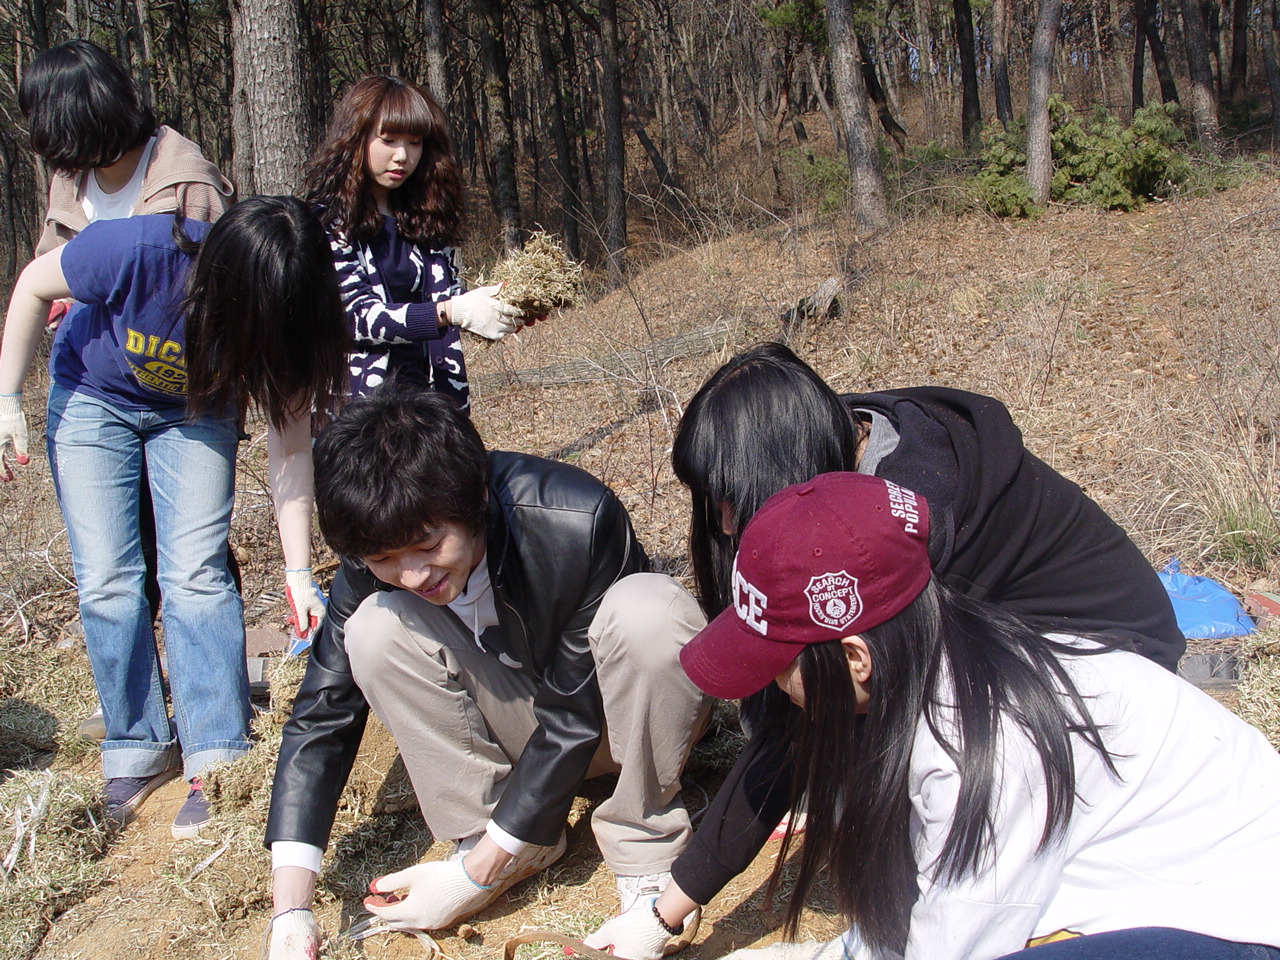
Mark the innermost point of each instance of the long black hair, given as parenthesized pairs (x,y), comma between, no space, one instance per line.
(762,422)
(966,667)
(264,322)
(82,108)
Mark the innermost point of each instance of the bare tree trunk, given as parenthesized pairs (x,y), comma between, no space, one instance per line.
(1239,48)
(145,77)
(1204,106)
(501,133)
(870,208)
(1000,61)
(1098,58)
(786,106)
(924,49)
(38,23)
(1039,81)
(267,62)
(615,156)
(566,170)
(970,108)
(242,129)
(1160,58)
(876,92)
(1137,94)
(651,150)
(816,79)
(1268,30)
(1211,16)
(887,58)
(433,34)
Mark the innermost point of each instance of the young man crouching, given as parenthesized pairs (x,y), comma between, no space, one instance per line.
(495,611)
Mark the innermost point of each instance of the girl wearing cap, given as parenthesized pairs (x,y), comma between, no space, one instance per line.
(975,789)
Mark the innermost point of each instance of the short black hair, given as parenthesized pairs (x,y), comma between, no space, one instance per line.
(394,463)
(82,107)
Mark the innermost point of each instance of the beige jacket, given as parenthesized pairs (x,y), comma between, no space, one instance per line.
(178,177)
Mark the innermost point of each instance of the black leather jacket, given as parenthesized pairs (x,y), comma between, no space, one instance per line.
(556,540)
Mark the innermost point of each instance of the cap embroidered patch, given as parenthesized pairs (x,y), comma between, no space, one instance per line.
(833,600)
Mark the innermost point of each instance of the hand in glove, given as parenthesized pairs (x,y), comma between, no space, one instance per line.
(294,936)
(57,310)
(436,895)
(634,935)
(306,604)
(13,432)
(479,311)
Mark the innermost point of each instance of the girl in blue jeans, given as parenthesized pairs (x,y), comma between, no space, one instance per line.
(975,789)
(120,367)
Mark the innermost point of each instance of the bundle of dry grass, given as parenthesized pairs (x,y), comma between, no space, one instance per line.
(539,277)
(53,834)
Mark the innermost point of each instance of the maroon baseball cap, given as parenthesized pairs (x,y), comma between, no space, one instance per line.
(822,560)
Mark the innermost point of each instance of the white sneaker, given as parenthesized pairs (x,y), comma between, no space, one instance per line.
(632,889)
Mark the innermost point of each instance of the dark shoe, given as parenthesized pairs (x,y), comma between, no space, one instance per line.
(124,795)
(193,814)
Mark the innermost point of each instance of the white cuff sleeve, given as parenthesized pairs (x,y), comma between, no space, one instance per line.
(513,845)
(292,853)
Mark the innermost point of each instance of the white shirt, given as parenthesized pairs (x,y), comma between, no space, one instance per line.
(100,205)
(1187,837)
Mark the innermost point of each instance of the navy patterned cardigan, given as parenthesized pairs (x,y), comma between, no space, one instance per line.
(389,289)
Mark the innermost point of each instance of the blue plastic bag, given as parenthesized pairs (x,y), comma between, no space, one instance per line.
(1205,608)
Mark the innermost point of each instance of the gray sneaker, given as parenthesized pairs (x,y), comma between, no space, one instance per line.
(124,795)
(93,727)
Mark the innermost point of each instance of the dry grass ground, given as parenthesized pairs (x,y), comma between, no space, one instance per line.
(1139,352)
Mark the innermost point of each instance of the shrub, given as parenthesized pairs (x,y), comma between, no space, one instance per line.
(822,176)
(1096,160)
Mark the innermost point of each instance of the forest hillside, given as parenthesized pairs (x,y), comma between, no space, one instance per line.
(1140,353)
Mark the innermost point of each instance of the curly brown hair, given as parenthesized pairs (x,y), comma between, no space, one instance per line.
(427,206)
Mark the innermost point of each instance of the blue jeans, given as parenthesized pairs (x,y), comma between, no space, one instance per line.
(1148,943)
(96,451)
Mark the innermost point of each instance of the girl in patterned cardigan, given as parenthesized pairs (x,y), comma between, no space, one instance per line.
(390,193)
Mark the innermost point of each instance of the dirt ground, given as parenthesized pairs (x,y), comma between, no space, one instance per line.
(1138,352)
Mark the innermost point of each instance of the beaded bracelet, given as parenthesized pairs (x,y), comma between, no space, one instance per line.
(671,931)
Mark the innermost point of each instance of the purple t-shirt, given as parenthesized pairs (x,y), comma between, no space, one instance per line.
(124,341)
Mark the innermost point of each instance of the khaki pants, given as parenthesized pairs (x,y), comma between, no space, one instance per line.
(461,719)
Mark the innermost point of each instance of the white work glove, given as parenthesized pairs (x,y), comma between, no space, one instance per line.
(479,311)
(294,936)
(57,310)
(13,433)
(306,604)
(634,935)
(434,896)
